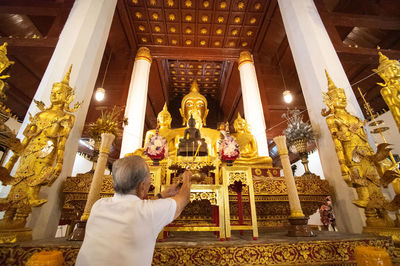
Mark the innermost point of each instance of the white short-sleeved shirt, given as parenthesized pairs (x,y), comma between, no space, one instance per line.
(122,230)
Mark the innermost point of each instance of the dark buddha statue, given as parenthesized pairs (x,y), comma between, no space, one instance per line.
(192,141)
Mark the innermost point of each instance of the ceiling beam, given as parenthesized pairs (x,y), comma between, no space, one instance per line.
(28,66)
(25,43)
(365,21)
(194,53)
(162,72)
(33,7)
(363,55)
(126,25)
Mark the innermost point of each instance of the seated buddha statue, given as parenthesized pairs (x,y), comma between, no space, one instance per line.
(194,104)
(247,144)
(192,144)
(164,120)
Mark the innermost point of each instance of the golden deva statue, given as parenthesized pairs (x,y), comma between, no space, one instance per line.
(4,64)
(41,158)
(389,71)
(354,154)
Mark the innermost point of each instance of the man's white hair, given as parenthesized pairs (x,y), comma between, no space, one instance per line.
(128,173)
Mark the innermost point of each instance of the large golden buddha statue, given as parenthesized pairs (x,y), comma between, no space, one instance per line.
(389,71)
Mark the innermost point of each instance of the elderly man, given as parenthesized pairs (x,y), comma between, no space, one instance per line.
(122,230)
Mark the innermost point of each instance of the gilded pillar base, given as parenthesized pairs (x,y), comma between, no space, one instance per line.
(79,233)
(299,227)
(393,232)
(15,235)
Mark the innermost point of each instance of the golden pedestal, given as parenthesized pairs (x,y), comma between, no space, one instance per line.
(15,235)
(393,232)
(230,174)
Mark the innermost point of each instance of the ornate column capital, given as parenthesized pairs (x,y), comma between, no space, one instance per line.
(143,53)
(280,142)
(245,57)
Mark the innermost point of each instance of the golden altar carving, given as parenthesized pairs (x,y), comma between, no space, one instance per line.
(270,194)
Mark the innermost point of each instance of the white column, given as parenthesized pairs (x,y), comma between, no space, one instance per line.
(81,43)
(313,52)
(253,110)
(135,109)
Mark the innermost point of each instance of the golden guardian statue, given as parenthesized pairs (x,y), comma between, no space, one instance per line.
(389,71)
(355,156)
(41,157)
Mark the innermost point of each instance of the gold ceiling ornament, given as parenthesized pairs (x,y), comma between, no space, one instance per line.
(174,78)
(205,85)
(172,29)
(220,19)
(207,79)
(135,2)
(143,53)
(245,57)
(217,66)
(206,4)
(204,18)
(171,3)
(208,73)
(198,79)
(141,28)
(199,66)
(223,5)
(172,65)
(174,42)
(188,30)
(182,72)
(217,43)
(155,16)
(173,72)
(241,5)
(202,42)
(188,42)
(182,78)
(190,66)
(231,44)
(203,30)
(215,79)
(237,20)
(214,85)
(218,31)
(244,44)
(175,84)
(234,32)
(249,33)
(216,73)
(190,73)
(253,20)
(159,40)
(153,2)
(188,3)
(138,15)
(257,6)
(208,66)
(188,18)
(171,17)
(157,28)
(181,65)
(143,39)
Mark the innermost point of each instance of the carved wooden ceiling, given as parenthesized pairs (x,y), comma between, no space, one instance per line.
(205,33)
(194,23)
(208,75)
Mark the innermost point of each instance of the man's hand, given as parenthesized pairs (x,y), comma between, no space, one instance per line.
(170,191)
(182,198)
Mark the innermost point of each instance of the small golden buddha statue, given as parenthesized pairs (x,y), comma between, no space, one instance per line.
(389,71)
(41,158)
(352,149)
(247,144)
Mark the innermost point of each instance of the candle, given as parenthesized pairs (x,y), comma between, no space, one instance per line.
(198,147)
